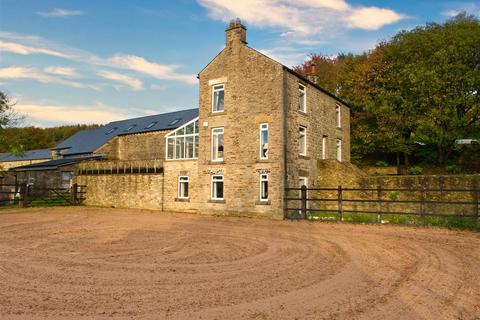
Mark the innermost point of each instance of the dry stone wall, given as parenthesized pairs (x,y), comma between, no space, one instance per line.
(143,191)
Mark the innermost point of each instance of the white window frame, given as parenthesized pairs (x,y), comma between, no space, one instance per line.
(324,147)
(214,153)
(180,181)
(304,141)
(302,88)
(172,136)
(263,178)
(215,88)
(264,127)
(305,181)
(213,196)
(338,114)
(339,149)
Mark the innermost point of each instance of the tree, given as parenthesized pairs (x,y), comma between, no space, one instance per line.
(439,69)
(420,87)
(8,118)
(7,115)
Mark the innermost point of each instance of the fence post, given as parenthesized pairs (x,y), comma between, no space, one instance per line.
(478,205)
(379,204)
(25,187)
(340,205)
(422,206)
(73,195)
(304,201)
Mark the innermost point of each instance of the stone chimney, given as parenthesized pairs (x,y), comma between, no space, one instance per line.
(236,33)
(312,73)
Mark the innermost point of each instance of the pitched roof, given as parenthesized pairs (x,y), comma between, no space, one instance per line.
(87,141)
(39,154)
(54,164)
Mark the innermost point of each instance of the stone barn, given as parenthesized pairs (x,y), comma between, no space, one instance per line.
(259,128)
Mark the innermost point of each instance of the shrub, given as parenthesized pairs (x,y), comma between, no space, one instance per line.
(416,170)
(452,168)
(394,196)
(381,163)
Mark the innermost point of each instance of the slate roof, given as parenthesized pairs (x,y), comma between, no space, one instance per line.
(87,141)
(39,154)
(54,164)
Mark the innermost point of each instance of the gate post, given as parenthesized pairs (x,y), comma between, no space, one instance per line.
(304,201)
(379,204)
(422,206)
(73,195)
(340,204)
(25,187)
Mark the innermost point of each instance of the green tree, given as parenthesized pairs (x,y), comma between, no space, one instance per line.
(422,86)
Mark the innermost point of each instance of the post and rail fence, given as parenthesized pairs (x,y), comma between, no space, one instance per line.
(382,204)
(26,195)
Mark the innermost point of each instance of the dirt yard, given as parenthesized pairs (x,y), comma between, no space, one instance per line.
(71,263)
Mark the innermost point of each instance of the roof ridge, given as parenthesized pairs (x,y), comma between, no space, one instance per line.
(153,115)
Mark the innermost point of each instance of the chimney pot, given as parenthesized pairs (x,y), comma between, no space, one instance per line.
(236,33)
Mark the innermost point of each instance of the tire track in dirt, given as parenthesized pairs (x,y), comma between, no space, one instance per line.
(98,263)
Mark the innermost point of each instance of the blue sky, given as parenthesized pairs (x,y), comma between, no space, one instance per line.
(66,61)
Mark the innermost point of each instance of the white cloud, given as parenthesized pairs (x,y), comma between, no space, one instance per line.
(15,73)
(61,71)
(305,18)
(51,114)
(372,18)
(159,71)
(133,83)
(26,50)
(59,13)
(37,45)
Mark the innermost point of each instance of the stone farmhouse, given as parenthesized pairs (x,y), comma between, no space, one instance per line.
(260,127)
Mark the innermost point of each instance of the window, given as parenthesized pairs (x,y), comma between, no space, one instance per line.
(339,149)
(151,125)
(174,122)
(264,187)
(67,177)
(217,144)
(303,140)
(338,116)
(183,187)
(324,147)
(111,131)
(302,181)
(183,142)
(130,128)
(302,98)
(218,98)
(264,141)
(217,188)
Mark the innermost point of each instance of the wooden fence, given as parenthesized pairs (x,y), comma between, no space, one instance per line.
(335,203)
(25,195)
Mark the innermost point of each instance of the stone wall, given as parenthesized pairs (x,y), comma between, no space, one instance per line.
(332,175)
(141,146)
(320,121)
(123,190)
(252,97)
